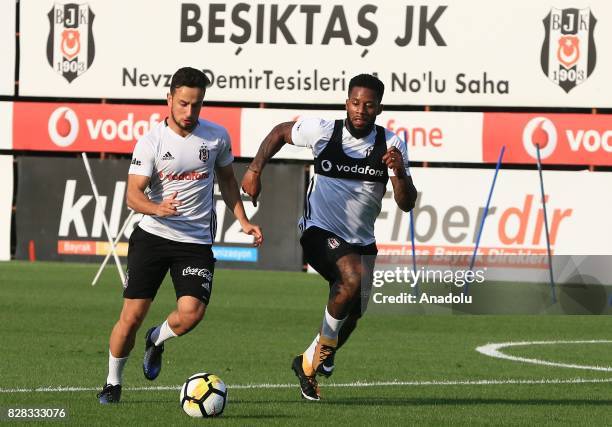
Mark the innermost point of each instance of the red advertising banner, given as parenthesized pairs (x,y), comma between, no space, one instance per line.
(567,139)
(108,128)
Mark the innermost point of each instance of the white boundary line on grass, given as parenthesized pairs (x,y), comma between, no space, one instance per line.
(493,350)
(330,385)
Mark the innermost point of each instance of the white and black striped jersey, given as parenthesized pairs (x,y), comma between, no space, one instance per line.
(346,191)
(186,165)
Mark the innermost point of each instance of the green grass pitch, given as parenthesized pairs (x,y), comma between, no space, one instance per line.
(55,327)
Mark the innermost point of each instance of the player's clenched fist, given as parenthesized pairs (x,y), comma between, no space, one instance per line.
(251,184)
(253,230)
(394,160)
(168,207)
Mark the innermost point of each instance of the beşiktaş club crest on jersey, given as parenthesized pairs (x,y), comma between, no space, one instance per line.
(70,46)
(203,153)
(568,53)
(333,243)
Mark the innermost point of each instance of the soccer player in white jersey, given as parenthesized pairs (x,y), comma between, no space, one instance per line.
(353,160)
(178,160)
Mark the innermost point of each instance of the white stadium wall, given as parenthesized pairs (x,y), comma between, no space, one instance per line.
(469,53)
(6,125)
(7,47)
(472,53)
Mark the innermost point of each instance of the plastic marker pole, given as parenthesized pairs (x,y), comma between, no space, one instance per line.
(414,266)
(102,215)
(550,269)
(484,216)
(108,254)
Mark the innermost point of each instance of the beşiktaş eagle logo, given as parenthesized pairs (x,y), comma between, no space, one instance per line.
(568,53)
(333,243)
(70,46)
(203,153)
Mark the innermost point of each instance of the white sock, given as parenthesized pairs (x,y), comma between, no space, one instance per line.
(115,368)
(331,326)
(162,333)
(309,353)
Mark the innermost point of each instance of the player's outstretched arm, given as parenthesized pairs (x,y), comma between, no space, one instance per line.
(137,200)
(272,143)
(231,196)
(404,192)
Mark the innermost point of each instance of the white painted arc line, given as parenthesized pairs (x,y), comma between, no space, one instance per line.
(332,385)
(493,350)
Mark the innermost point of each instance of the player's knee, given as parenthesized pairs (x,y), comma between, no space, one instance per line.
(343,293)
(351,282)
(193,318)
(352,279)
(131,320)
(190,318)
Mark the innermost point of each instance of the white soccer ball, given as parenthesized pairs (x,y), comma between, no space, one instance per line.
(203,395)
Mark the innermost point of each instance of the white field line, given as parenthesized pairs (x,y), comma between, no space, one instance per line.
(64,389)
(493,350)
(488,349)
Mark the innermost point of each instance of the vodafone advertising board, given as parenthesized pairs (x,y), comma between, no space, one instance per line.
(451,204)
(99,127)
(430,53)
(7,47)
(568,139)
(435,137)
(442,137)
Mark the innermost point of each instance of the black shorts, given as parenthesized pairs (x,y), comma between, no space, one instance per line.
(323,248)
(150,257)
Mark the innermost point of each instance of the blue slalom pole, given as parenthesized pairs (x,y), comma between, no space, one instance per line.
(412,242)
(550,269)
(414,266)
(484,216)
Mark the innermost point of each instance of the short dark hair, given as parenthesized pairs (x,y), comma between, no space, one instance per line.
(369,81)
(189,77)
